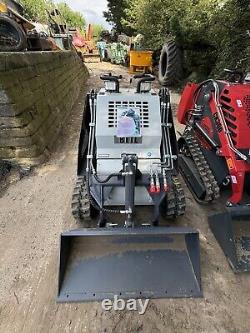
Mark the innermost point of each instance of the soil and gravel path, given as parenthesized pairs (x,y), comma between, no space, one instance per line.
(35,209)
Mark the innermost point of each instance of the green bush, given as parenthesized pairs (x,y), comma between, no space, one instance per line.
(213,34)
(37,10)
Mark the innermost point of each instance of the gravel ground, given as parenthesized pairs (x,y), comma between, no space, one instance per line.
(36,208)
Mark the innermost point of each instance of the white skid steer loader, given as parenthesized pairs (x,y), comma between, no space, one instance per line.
(128,160)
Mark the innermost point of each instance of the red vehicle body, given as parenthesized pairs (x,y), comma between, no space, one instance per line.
(214,152)
(227,123)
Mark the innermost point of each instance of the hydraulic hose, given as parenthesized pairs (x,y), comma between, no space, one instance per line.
(94,204)
(165,106)
(223,122)
(103,181)
(89,160)
(221,116)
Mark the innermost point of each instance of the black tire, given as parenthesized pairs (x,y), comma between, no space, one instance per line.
(170,65)
(108,55)
(10,29)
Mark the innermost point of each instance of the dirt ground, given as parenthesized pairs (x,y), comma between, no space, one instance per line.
(35,209)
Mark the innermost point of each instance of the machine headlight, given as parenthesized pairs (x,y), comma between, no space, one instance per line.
(247,78)
(145,86)
(110,85)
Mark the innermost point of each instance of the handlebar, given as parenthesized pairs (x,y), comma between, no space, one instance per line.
(109,76)
(143,75)
(235,72)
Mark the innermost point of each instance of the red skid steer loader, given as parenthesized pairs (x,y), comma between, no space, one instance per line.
(215,154)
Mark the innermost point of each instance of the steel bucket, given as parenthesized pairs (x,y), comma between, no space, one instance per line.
(143,262)
(232,231)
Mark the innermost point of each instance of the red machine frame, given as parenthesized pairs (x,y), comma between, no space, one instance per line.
(237,168)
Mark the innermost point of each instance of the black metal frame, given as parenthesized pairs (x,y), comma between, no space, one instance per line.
(131,179)
(98,190)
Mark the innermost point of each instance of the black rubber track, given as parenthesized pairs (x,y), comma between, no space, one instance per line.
(175,203)
(80,204)
(189,146)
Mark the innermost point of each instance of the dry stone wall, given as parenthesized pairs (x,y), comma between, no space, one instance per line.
(37,93)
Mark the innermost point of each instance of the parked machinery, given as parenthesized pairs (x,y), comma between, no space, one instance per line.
(59,30)
(140,61)
(86,45)
(13,27)
(91,52)
(215,154)
(128,160)
(18,34)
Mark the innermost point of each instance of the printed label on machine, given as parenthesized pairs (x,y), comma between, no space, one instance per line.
(234,180)
(128,122)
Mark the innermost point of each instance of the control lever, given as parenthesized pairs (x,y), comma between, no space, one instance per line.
(234,74)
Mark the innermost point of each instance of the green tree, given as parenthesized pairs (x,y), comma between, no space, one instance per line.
(116,14)
(213,33)
(149,18)
(232,36)
(36,9)
(73,19)
(97,30)
(185,20)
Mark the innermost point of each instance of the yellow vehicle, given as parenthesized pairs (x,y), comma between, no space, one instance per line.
(140,61)
(13,27)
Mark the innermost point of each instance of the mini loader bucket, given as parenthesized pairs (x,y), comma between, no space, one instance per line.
(140,262)
(232,231)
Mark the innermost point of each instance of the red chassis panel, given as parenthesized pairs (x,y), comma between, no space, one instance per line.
(186,102)
(237,168)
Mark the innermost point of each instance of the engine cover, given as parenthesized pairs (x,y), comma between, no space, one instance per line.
(235,102)
(145,142)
